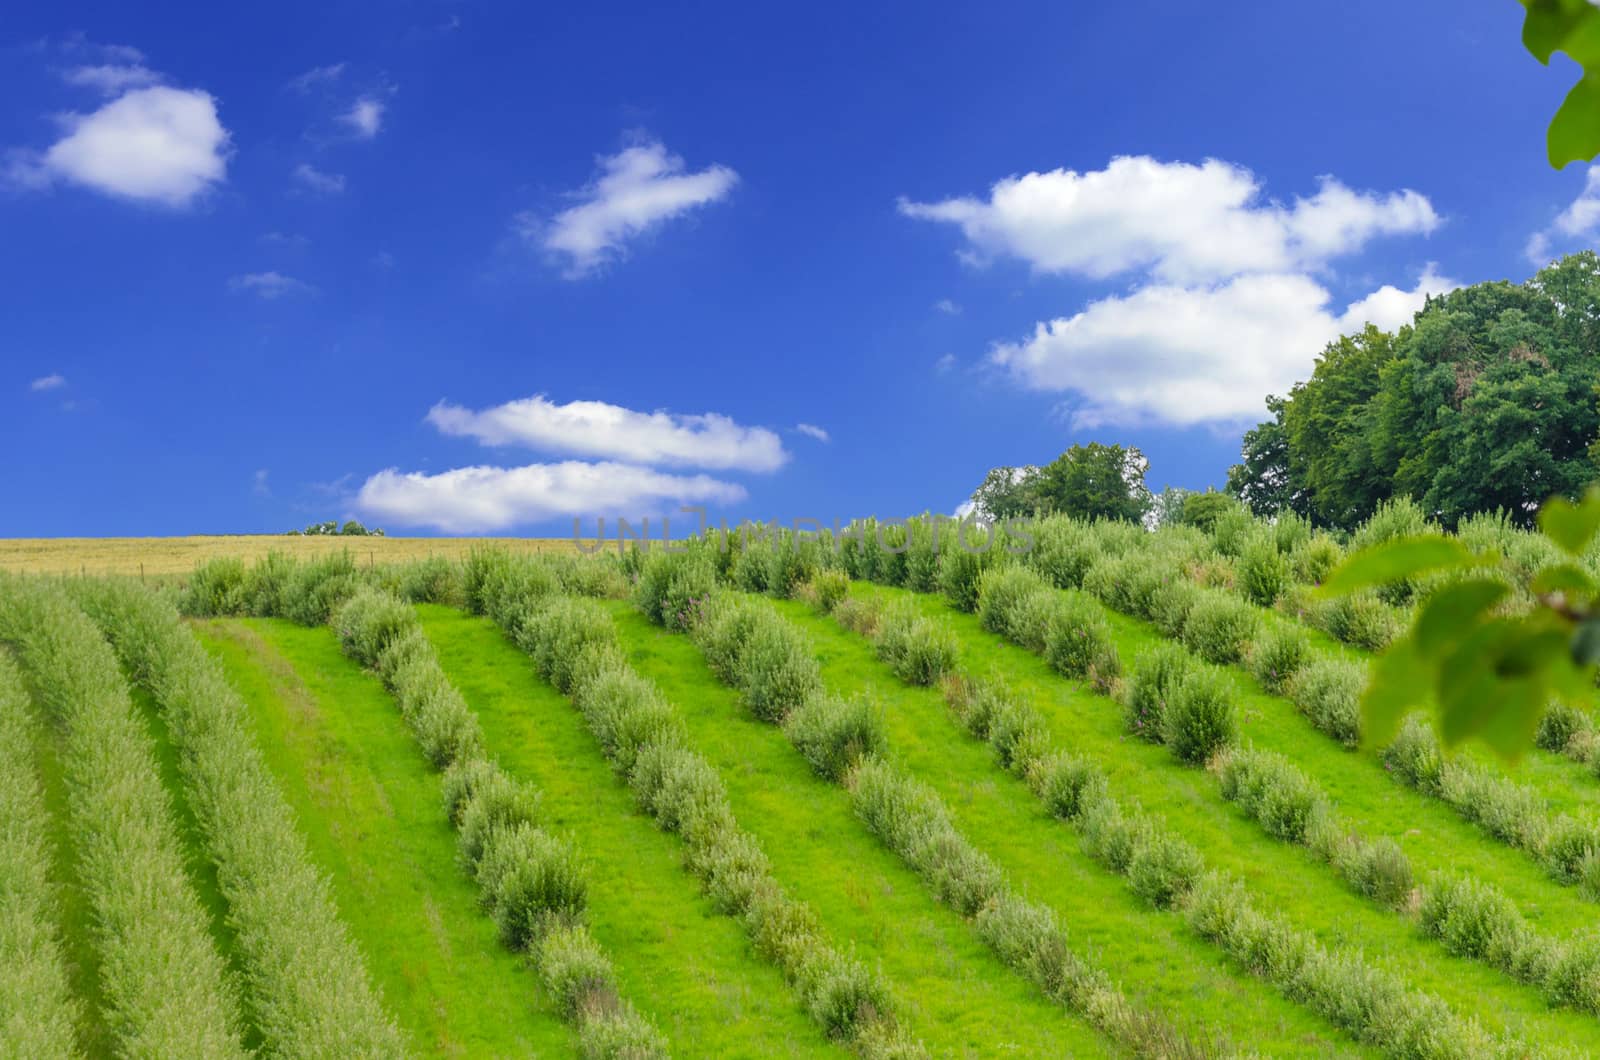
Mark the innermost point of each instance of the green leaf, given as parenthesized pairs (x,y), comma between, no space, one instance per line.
(1573,27)
(1574,133)
(1563,578)
(1550,25)
(1391,561)
(1572,526)
(1398,682)
(1453,610)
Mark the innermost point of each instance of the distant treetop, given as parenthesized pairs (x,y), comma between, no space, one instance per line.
(331,528)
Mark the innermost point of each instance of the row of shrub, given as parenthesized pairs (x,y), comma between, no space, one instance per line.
(572,643)
(306,985)
(1170,698)
(753,648)
(1568,848)
(37,1010)
(1068,629)
(1567,730)
(161,979)
(533,883)
(1168,872)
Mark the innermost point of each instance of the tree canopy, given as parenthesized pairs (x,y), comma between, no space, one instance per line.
(1093,481)
(1487,400)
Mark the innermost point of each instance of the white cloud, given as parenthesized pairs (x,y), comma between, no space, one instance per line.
(365,117)
(1192,355)
(159,144)
(946,306)
(53,381)
(1185,223)
(259,484)
(812,430)
(317,75)
(269,285)
(598,429)
(314,179)
(478,499)
(1579,221)
(945,363)
(638,188)
(112,78)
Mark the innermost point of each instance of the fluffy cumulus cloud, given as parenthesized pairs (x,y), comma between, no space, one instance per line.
(269,285)
(156,144)
(483,499)
(638,189)
(1193,355)
(1230,299)
(1184,223)
(1579,221)
(598,429)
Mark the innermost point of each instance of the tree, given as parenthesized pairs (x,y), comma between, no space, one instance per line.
(1091,481)
(1202,509)
(1261,479)
(1007,492)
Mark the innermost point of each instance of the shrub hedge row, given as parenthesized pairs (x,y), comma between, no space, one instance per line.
(644,738)
(1066,627)
(160,975)
(533,883)
(306,986)
(38,1013)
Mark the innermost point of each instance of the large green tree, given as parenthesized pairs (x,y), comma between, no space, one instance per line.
(1487,400)
(1093,481)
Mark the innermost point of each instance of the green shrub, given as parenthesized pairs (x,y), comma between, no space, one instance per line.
(682,791)
(626,713)
(1000,590)
(1029,620)
(216,587)
(1131,583)
(1573,975)
(556,633)
(1155,677)
(1164,870)
(1361,619)
(1171,603)
(1315,558)
(316,587)
(842,994)
(859,615)
(752,566)
(462,779)
(1273,791)
(1473,919)
(1560,724)
(961,573)
(975,702)
(1062,551)
(573,967)
(725,627)
(435,580)
(1511,812)
(1328,691)
(1067,783)
(1233,529)
(1027,938)
(1378,869)
(732,867)
(1112,836)
(1219,627)
(1079,638)
(919,650)
(1199,718)
(834,734)
(368,621)
(777,668)
(265,585)
(830,587)
(1277,656)
(1290,531)
(1019,736)
(1569,845)
(496,803)
(1414,757)
(531,881)
(1263,572)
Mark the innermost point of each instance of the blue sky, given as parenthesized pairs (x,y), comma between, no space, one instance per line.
(265,265)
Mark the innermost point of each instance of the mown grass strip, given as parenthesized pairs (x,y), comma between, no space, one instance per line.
(368,805)
(691,967)
(532,880)
(160,975)
(956,992)
(306,985)
(38,1013)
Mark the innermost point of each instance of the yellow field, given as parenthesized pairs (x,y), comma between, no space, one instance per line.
(165,556)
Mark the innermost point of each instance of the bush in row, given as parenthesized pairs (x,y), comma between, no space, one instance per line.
(1328,691)
(1001,590)
(859,615)
(1277,656)
(1078,641)
(1199,718)
(1263,572)
(752,647)
(834,734)
(1062,551)
(556,632)
(1219,627)
(1273,791)
(305,978)
(531,882)
(1371,1004)
(919,650)
(1151,684)
(829,589)
(160,975)
(961,576)
(37,1009)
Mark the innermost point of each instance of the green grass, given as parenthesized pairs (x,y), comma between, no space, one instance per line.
(370,808)
(680,962)
(958,998)
(1285,878)
(1155,958)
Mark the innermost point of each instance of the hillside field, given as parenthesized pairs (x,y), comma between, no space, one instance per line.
(1110,796)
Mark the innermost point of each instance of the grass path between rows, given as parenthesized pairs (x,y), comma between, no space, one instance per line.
(681,962)
(370,808)
(1156,960)
(1284,877)
(959,999)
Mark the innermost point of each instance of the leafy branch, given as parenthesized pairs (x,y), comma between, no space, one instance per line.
(1573,27)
